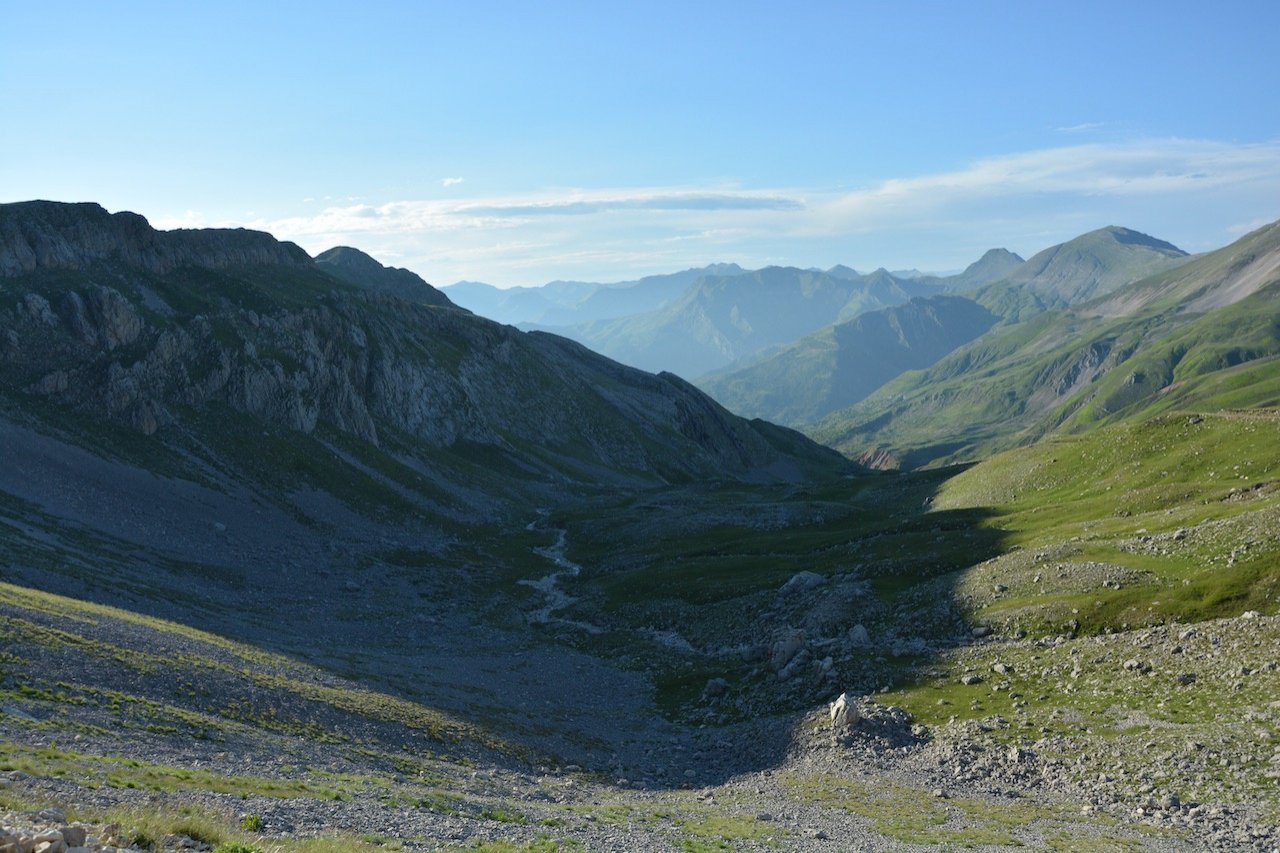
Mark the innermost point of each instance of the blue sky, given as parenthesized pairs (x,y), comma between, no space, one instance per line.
(517,142)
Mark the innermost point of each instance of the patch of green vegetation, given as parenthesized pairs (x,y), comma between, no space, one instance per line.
(545,844)
(719,830)
(1188,503)
(121,772)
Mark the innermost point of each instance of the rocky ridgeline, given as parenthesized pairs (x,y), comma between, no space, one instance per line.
(47,831)
(92,323)
(42,235)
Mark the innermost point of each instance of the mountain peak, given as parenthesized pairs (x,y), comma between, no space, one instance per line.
(356,267)
(349,258)
(1129,237)
(1083,268)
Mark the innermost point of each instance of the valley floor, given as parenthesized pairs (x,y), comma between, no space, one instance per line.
(1067,648)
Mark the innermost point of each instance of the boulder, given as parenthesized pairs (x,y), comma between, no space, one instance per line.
(802,582)
(784,650)
(844,712)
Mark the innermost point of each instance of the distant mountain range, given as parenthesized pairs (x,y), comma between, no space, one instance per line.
(843,363)
(702,320)
(723,318)
(1202,333)
(565,303)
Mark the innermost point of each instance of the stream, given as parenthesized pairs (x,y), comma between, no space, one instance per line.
(549,585)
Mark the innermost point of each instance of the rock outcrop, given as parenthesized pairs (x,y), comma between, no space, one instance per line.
(44,235)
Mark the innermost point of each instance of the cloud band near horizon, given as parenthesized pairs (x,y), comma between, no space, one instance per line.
(1197,191)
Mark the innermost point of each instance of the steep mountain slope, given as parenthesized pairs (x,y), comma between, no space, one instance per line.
(841,364)
(167,334)
(355,267)
(565,303)
(722,318)
(1088,266)
(1207,330)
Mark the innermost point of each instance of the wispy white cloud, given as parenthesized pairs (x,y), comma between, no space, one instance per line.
(1188,190)
(1080,128)
(451,182)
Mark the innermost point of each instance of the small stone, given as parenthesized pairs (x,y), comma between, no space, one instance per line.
(858,636)
(981,631)
(715,688)
(75,836)
(970,680)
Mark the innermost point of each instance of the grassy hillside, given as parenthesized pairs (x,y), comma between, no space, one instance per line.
(1130,354)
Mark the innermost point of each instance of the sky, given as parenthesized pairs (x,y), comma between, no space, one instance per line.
(518,143)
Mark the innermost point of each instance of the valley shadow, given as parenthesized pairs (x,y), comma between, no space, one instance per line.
(886,606)
(552,699)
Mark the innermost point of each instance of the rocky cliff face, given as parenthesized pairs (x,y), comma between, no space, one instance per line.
(100,317)
(43,235)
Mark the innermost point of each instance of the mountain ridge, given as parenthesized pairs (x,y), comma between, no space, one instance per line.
(151,346)
(53,235)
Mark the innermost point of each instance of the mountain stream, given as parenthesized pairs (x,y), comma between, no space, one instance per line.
(556,599)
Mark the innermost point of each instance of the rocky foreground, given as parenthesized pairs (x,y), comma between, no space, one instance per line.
(861,773)
(47,831)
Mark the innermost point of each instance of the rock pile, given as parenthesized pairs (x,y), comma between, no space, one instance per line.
(48,831)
